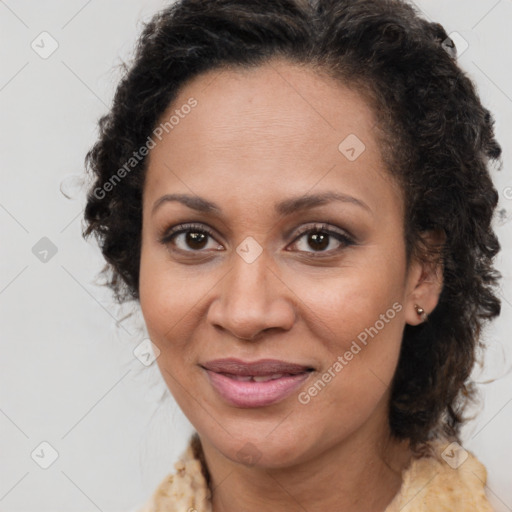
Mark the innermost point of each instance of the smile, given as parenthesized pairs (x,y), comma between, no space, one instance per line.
(257,384)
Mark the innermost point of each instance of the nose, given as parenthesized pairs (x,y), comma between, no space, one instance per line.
(252,298)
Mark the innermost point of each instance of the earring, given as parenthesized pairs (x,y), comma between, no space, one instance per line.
(421,312)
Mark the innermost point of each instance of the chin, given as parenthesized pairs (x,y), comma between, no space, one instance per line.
(257,448)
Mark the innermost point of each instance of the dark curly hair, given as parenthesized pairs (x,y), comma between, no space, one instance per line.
(436,138)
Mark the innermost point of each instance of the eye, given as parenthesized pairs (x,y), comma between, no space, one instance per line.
(190,238)
(196,238)
(321,239)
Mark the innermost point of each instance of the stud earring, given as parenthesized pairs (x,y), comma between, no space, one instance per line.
(421,312)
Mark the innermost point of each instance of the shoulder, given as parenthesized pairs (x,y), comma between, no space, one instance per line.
(185,490)
(449,479)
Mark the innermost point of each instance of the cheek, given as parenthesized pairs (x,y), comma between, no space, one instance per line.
(162,295)
(173,300)
(167,304)
(347,303)
(358,317)
(164,292)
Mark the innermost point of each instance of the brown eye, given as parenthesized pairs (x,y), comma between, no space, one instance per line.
(318,241)
(321,239)
(196,240)
(190,238)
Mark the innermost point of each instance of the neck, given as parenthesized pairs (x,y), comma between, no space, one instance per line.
(361,473)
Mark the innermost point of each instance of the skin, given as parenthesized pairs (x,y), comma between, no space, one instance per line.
(255,138)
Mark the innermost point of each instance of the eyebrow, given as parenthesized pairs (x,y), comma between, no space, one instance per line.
(283,208)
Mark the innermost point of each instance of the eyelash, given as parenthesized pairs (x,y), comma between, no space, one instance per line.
(345,240)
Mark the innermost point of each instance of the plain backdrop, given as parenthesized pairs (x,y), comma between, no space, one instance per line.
(73,396)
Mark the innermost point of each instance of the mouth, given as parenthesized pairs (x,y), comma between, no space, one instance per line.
(255,384)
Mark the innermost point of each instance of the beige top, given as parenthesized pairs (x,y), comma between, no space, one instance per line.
(449,482)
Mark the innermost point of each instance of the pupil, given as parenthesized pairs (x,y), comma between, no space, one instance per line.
(196,240)
(320,241)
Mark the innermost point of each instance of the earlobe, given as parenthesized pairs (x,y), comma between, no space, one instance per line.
(426,282)
(421,313)
(423,299)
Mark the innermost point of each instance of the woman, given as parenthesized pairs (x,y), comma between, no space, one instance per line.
(297,193)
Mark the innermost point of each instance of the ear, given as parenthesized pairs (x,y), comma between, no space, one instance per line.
(425,279)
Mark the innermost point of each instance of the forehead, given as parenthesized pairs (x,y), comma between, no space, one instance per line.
(278,98)
(279,125)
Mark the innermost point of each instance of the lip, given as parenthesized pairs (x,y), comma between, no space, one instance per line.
(225,374)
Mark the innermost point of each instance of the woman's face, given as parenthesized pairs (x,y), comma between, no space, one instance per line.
(288,246)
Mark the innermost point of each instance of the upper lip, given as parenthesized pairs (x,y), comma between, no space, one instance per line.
(255,368)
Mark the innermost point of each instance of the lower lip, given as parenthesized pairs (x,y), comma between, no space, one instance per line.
(255,394)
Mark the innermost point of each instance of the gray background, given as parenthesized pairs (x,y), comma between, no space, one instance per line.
(68,375)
